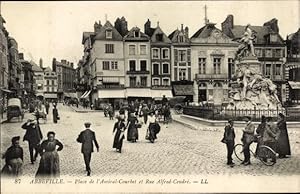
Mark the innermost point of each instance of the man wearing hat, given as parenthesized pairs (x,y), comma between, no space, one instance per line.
(228,139)
(34,136)
(247,139)
(86,138)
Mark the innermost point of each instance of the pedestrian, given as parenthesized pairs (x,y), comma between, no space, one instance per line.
(49,163)
(34,136)
(13,159)
(283,144)
(92,106)
(132,132)
(167,113)
(119,128)
(260,132)
(86,138)
(47,105)
(270,136)
(164,100)
(247,139)
(145,111)
(228,139)
(153,127)
(111,112)
(122,113)
(55,114)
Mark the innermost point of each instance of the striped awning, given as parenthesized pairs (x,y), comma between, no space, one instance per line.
(110,80)
(50,95)
(294,85)
(111,93)
(86,94)
(138,92)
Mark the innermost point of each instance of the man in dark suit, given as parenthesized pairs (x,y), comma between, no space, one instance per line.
(229,136)
(86,138)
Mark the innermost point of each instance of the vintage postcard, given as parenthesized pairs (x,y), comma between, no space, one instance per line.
(150,96)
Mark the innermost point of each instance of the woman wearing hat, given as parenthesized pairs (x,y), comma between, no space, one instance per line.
(119,128)
(49,164)
(283,143)
(132,133)
(13,159)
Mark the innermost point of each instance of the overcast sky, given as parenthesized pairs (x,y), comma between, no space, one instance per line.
(54,29)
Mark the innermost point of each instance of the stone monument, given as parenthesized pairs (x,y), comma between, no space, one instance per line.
(250,90)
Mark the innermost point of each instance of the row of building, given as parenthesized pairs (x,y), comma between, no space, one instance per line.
(21,78)
(119,64)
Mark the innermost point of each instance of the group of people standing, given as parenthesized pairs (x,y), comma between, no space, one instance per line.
(269,133)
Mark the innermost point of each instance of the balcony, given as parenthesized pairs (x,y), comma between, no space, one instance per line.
(211,76)
(138,72)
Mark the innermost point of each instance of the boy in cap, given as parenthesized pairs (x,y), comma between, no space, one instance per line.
(86,138)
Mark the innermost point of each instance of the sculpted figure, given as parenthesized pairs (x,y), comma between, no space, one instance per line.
(246,47)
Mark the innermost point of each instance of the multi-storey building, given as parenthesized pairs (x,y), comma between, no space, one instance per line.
(212,64)
(137,64)
(106,66)
(15,68)
(66,75)
(38,77)
(293,67)
(269,49)
(160,61)
(27,80)
(50,85)
(181,68)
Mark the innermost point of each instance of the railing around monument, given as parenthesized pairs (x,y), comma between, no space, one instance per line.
(222,113)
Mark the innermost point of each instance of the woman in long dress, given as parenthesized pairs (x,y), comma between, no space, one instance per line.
(49,164)
(55,113)
(132,133)
(13,159)
(119,129)
(153,127)
(283,143)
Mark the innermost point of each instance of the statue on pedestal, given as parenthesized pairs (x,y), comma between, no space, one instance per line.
(246,47)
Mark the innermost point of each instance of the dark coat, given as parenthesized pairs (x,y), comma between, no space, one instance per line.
(33,133)
(86,138)
(283,144)
(55,115)
(13,153)
(229,133)
(119,136)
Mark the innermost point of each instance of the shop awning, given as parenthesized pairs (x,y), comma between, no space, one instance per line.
(82,96)
(40,94)
(157,94)
(110,80)
(85,95)
(111,93)
(50,95)
(294,85)
(70,95)
(138,92)
(183,90)
(5,90)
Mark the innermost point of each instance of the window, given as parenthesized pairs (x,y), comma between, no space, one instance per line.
(217,65)
(268,53)
(53,83)
(268,69)
(165,68)
(132,81)
(114,65)
(258,52)
(143,49)
(181,38)
(165,53)
(156,82)
(105,65)
(109,48)
(155,53)
(278,53)
(273,38)
(47,87)
(155,69)
(108,34)
(144,81)
(182,74)
(166,82)
(132,65)
(159,37)
(131,49)
(48,82)
(182,55)
(231,67)
(202,65)
(278,69)
(136,34)
(143,65)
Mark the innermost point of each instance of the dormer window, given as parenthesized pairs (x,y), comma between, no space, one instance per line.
(181,39)
(159,37)
(108,34)
(136,34)
(273,38)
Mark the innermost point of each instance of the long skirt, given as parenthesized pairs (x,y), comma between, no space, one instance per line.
(153,130)
(118,140)
(14,168)
(283,144)
(49,165)
(132,133)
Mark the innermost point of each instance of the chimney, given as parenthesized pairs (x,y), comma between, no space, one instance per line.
(72,65)
(124,28)
(63,61)
(21,56)
(147,27)
(273,24)
(181,27)
(227,25)
(54,64)
(186,31)
(97,26)
(41,63)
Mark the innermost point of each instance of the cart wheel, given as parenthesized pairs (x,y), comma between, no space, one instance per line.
(239,152)
(266,155)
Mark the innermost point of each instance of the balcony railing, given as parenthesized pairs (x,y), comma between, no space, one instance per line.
(138,72)
(211,76)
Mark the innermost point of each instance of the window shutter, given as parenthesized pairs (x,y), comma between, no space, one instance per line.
(175,55)
(175,74)
(189,74)
(188,55)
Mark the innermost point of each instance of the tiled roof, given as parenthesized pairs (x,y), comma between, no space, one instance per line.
(158,30)
(130,35)
(35,67)
(174,37)
(101,35)
(47,69)
(205,31)
(173,33)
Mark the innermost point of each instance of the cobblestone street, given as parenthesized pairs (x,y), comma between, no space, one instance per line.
(178,150)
